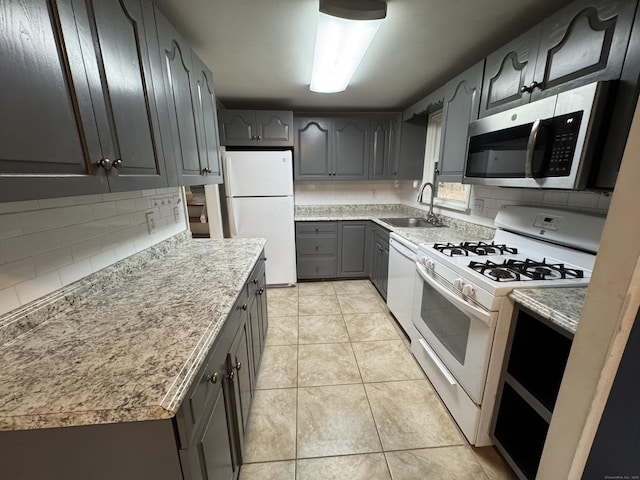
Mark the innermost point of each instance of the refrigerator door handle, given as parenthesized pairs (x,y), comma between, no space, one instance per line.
(233,225)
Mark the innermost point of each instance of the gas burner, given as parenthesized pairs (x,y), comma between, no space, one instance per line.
(473,248)
(514,270)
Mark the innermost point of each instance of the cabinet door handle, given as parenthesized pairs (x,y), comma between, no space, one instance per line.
(105,163)
(317,246)
(259,137)
(238,366)
(317,268)
(261,291)
(317,228)
(244,307)
(117,164)
(232,374)
(255,280)
(213,378)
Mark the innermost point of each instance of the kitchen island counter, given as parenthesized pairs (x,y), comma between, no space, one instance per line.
(562,306)
(129,339)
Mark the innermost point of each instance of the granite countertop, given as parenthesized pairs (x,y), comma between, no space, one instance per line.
(127,347)
(456,230)
(561,305)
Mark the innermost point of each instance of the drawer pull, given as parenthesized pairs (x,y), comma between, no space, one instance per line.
(317,268)
(317,246)
(213,378)
(317,228)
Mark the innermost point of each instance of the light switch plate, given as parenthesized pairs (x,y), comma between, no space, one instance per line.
(151,222)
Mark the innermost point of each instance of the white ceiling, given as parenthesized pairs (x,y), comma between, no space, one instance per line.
(260,51)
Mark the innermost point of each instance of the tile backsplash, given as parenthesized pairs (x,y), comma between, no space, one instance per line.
(335,193)
(47,244)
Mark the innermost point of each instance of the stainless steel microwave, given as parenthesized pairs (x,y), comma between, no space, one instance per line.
(549,143)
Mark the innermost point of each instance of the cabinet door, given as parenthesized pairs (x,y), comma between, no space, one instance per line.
(351,148)
(207,121)
(274,129)
(461,102)
(214,448)
(262,304)
(584,42)
(352,249)
(411,137)
(508,73)
(238,127)
(239,374)
(128,50)
(381,150)
(49,142)
(179,84)
(313,149)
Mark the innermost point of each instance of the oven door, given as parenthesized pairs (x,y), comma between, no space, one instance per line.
(457,334)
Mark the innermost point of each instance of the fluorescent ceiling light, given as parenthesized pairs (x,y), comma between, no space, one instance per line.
(340,45)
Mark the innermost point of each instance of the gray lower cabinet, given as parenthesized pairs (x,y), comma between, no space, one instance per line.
(68,128)
(316,249)
(332,249)
(461,103)
(379,258)
(257,128)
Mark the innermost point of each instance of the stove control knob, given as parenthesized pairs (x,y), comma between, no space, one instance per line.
(468,290)
(458,283)
(429,264)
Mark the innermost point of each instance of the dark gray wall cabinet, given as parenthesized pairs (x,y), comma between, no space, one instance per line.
(190,133)
(69,128)
(584,42)
(260,128)
(461,104)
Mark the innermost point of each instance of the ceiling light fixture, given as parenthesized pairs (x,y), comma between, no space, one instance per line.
(345,30)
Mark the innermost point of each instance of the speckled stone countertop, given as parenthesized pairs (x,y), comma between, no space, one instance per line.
(456,230)
(561,306)
(124,348)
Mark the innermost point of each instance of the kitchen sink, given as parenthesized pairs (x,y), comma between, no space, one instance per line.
(409,222)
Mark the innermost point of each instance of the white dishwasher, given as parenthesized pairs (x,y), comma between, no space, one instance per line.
(402,272)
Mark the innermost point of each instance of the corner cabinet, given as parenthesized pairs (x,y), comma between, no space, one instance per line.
(461,104)
(190,131)
(256,128)
(63,87)
(584,42)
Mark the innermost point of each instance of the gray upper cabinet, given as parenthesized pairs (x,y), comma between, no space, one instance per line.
(65,88)
(207,121)
(183,132)
(128,50)
(461,104)
(351,148)
(313,149)
(382,154)
(264,128)
(508,73)
(582,43)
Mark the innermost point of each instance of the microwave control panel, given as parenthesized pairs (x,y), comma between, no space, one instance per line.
(564,131)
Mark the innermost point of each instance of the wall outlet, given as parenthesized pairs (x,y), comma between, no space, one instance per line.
(151,222)
(478,204)
(176,214)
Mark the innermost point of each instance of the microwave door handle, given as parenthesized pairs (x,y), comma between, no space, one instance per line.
(531,147)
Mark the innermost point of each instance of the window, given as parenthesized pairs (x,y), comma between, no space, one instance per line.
(448,195)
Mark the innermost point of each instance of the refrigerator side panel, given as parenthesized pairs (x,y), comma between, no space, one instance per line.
(270,218)
(258,174)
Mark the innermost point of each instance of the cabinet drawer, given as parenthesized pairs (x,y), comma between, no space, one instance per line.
(316,245)
(316,227)
(317,267)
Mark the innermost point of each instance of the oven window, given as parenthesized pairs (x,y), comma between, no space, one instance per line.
(446,322)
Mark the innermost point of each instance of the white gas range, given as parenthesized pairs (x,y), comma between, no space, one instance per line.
(461,310)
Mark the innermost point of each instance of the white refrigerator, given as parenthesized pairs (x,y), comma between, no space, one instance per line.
(259,190)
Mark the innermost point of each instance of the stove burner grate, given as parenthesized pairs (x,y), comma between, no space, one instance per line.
(473,248)
(514,270)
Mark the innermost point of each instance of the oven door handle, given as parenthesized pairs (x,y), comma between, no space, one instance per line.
(443,369)
(479,313)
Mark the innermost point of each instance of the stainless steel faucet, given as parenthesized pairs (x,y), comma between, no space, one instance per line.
(431,217)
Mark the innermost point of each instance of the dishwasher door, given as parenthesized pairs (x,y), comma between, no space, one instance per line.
(402,272)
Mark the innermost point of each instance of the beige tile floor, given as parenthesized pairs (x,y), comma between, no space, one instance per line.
(339,396)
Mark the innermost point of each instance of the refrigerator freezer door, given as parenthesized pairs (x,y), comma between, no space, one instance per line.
(258,173)
(270,218)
